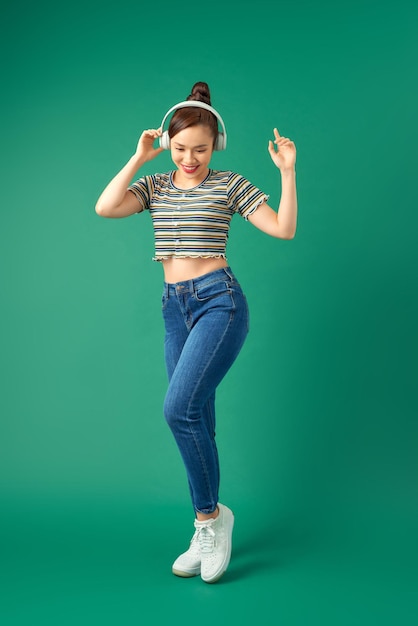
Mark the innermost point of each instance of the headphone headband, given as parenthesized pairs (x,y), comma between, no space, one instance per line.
(220,143)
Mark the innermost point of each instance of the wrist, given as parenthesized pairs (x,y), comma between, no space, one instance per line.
(288,172)
(137,160)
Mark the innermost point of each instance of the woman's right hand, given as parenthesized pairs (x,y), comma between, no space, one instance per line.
(145,150)
(116,200)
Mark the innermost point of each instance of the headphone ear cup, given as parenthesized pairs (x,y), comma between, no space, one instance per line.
(220,142)
(165,140)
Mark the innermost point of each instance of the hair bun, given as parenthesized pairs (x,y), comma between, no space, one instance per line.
(200,91)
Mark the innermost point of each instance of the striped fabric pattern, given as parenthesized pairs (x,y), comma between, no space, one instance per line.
(195,222)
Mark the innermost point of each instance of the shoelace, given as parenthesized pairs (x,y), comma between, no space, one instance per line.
(206,537)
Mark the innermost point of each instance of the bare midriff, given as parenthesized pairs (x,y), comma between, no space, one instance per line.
(177,269)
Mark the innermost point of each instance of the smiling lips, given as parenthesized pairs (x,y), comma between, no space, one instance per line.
(190,170)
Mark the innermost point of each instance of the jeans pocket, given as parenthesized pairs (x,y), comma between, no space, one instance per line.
(214,290)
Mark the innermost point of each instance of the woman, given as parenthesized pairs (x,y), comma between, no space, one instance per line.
(204,309)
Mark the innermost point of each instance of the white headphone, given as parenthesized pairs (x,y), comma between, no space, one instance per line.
(220,141)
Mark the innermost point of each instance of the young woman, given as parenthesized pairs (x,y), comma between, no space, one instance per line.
(204,309)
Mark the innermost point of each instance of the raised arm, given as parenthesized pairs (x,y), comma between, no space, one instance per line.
(116,200)
(281,224)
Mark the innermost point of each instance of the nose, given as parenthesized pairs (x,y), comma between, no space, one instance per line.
(188,157)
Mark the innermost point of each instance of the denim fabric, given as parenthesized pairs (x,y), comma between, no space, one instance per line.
(206,323)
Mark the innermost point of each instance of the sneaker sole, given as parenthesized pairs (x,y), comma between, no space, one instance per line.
(186,574)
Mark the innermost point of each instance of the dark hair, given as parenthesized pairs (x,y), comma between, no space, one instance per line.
(193,116)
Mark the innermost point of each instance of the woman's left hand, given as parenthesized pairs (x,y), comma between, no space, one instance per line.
(285,157)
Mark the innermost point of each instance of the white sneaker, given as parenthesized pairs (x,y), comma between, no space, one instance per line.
(215,540)
(188,563)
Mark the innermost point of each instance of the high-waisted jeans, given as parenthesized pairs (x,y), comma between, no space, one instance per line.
(206,322)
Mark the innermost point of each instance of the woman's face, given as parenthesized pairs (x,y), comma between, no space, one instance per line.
(191,151)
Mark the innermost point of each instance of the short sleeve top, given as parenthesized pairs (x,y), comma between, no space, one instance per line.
(195,222)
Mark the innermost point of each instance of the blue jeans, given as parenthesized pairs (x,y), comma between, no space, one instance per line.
(206,323)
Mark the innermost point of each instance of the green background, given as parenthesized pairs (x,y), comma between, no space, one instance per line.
(317,419)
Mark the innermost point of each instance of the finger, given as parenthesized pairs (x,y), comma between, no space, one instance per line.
(272,150)
(276,133)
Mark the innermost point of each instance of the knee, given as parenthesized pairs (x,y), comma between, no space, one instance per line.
(180,409)
(173,410)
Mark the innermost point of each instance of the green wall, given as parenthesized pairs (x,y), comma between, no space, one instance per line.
(318,417)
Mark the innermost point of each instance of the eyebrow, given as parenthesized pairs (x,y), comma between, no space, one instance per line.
(180,145)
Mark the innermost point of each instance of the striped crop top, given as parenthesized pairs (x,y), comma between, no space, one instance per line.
(195,222)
